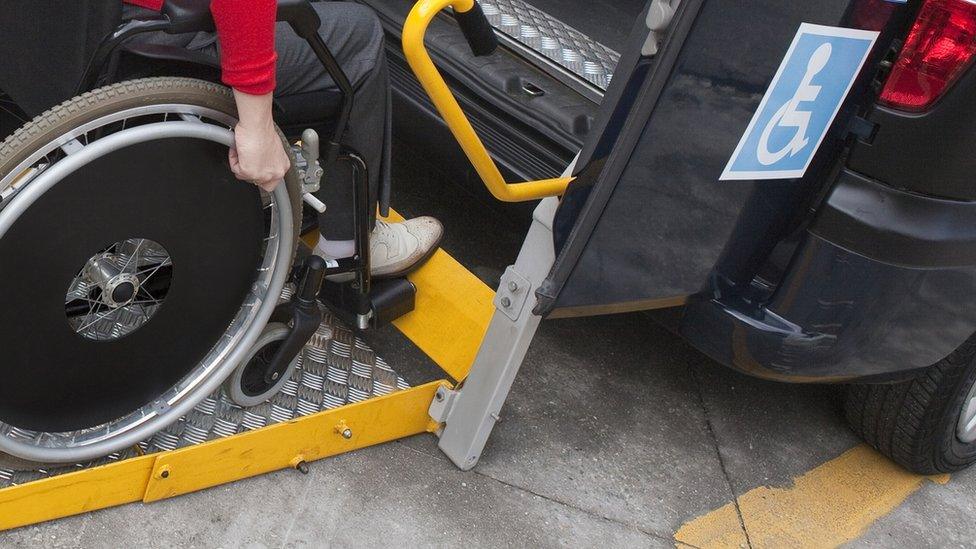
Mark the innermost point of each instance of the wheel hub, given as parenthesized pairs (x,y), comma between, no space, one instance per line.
(119,289)
(966,427)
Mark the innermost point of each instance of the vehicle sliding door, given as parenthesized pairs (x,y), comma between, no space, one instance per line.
(712,148)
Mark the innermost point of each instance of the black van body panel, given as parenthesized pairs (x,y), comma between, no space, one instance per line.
(930,152)
(883,284)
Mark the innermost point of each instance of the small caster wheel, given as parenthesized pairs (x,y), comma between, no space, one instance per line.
(247,387)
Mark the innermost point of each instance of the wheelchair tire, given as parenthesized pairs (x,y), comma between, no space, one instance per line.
(99,117)
(95,104)
(246,387)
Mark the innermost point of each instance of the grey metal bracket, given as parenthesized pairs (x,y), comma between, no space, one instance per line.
(310,170)
(470,415)
(512,293)
(440,407)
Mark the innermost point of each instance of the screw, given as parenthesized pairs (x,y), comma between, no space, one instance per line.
(439,395)
(274,376)
(513,286)
(347,433)
(506,302)
(302,467)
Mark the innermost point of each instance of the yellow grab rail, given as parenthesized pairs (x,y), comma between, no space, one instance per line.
(430,78)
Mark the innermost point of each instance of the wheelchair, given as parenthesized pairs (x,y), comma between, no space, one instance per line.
(140,276)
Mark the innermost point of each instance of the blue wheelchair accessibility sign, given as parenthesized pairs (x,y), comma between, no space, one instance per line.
(804,97)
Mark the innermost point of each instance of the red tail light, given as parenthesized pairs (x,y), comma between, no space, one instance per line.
(940,46)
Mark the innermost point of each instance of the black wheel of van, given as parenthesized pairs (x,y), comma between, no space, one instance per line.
(135,270)
(926,424)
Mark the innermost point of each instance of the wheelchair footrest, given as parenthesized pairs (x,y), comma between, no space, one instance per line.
(389,299)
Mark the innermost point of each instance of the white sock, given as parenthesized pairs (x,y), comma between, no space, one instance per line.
(335,249)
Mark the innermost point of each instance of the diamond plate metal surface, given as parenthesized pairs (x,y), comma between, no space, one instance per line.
(553,39)
(336,368)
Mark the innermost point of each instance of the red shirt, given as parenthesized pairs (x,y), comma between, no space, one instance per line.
(245,29)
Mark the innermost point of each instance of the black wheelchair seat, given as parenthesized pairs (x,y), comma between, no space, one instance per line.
(188,16)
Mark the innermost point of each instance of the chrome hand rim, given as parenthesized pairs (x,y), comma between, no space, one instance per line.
(24,185)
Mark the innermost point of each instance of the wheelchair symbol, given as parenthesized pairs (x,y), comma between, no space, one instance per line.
(800,104)
(790,116)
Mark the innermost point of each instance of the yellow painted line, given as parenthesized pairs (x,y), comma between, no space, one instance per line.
(452,314)
(827,506)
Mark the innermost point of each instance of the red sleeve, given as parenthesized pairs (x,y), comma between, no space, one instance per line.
(245,29)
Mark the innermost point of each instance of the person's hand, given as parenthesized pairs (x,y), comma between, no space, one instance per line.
(258,155)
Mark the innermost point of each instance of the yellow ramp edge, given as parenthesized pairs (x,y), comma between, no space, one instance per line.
(75,493)
(827,506)
(167,474)
(453,310)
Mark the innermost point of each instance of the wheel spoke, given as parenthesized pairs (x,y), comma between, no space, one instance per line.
(135,254)
(99,318)
(154,271)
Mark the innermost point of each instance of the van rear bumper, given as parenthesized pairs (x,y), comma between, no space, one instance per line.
(883,284)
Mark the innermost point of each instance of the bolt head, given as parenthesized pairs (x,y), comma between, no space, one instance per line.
(513,286)
(275,376)
(506,302)
(347,433)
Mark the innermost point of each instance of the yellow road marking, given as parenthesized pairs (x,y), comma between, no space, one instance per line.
(827,506)
(452,312)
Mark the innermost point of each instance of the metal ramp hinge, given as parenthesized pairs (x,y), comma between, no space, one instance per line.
(440,407)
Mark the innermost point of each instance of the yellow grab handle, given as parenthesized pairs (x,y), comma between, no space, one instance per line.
(430,78)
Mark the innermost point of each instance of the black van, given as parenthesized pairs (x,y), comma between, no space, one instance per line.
(861,269)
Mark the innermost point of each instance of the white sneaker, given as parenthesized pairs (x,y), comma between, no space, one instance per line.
(396,249)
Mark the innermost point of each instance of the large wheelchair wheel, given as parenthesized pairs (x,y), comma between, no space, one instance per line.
(135,271)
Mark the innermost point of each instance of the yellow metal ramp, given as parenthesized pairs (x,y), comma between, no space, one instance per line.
(342,397)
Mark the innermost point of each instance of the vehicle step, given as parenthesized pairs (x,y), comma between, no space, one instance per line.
(532,31)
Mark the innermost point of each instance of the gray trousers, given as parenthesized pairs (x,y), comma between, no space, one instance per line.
(355,37)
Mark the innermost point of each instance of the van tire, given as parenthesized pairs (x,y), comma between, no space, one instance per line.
(914,422)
